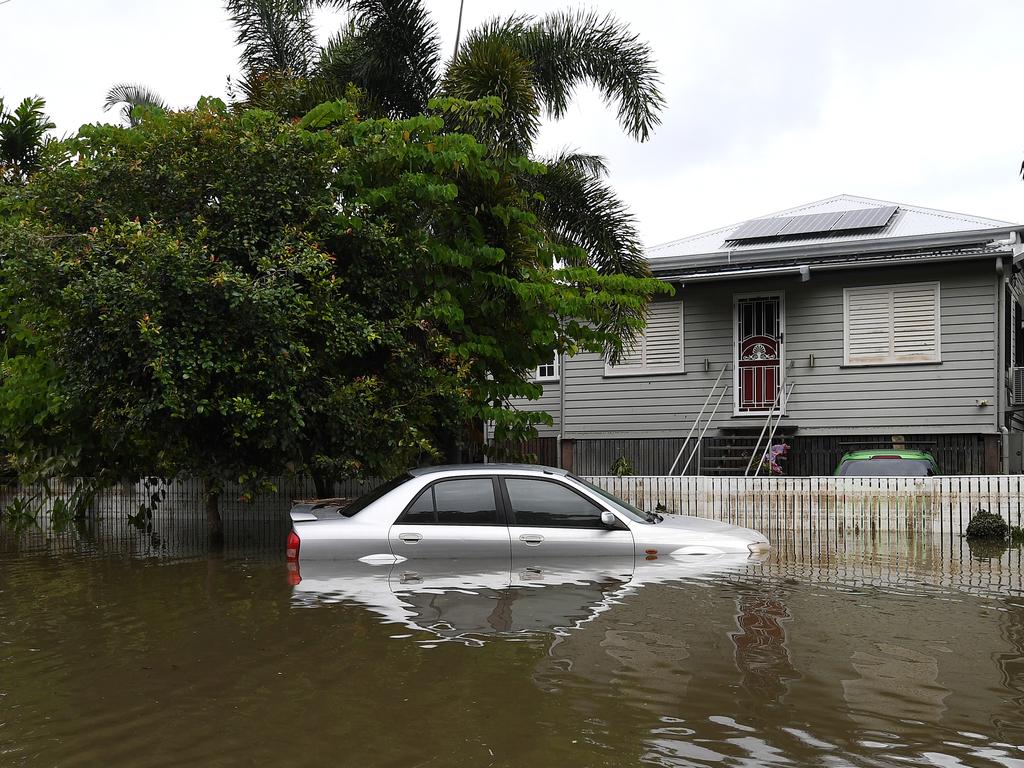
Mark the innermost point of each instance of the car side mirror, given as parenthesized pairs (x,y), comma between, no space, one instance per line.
(609,520)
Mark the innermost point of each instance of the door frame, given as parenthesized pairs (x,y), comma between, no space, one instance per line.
(781,296)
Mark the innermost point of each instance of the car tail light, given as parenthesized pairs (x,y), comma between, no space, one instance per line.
(294,577)
(886,457)
(292,547)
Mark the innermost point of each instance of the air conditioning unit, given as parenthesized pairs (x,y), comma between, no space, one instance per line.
(1017,386)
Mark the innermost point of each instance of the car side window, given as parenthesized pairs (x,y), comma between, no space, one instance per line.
(468,501)
(422,509)
(542,503)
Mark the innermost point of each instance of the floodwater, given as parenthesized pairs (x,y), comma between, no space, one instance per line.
(883,654)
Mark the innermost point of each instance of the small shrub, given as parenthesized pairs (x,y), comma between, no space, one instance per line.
(21,514)
(1016,535)
(660,507)
(621,467)
(986,525)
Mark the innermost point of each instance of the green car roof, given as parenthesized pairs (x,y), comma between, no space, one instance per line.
(872,453)
(865,456)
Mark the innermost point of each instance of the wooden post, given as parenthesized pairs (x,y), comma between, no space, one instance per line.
(992,466)
(568,445)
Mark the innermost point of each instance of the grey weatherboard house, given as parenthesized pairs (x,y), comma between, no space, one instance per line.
(866,323)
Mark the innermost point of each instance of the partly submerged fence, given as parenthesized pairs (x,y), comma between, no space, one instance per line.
(158,518)
(826,506)
(815,510)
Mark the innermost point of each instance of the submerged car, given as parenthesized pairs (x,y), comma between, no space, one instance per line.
(887,462)
(494,510)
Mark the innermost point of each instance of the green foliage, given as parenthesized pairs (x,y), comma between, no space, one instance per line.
(65,508)
(20,515)
(987,525)
(522,67)
(235,295)
(65,511)
(1016,535)
(580,209)
(621,467)
(23,138)
(131,96)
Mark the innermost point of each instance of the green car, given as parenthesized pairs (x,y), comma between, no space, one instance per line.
(887,462)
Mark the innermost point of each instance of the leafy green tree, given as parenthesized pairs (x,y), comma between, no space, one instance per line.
(23,137)
(390,51)
(236,295)
(128,96)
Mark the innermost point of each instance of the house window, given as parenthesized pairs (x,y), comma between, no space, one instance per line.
(891,324)
(548,371)
(659,349)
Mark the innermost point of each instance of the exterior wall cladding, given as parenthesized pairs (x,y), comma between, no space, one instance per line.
(831,401)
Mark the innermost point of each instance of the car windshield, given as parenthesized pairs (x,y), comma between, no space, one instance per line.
(368,498)
(623,506)
(885,468)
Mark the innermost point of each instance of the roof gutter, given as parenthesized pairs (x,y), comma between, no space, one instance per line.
(804,270)
(909,242)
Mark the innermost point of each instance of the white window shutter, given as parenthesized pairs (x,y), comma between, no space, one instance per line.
(659,349)
(892,324)
(915,322)
(664,336)
(868,324)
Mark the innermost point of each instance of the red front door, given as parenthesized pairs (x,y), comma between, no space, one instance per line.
(758,353)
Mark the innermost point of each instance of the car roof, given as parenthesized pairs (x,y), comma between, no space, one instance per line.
(536,469)
(903,453)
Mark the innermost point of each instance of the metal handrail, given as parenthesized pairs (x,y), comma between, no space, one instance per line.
(771,412)
(689,434)
(771,436)
(707,424)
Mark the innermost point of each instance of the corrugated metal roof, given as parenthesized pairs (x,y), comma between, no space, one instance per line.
(909,220)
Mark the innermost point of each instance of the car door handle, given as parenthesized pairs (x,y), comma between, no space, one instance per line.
(531,539)
(411,577)
(410,538)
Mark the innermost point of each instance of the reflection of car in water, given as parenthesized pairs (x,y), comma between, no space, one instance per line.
(490,510)
(887,462)
(471,599)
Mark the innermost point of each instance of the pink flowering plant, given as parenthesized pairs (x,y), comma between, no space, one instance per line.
(770,461)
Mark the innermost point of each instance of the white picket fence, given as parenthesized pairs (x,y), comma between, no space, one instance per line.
(831,505)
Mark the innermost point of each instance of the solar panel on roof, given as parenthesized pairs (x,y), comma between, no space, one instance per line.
(865,218)
(815,222)
(758,228)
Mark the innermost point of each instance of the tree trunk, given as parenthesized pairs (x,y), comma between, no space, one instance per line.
(214,524)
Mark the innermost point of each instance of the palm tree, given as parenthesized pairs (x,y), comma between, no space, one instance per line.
(390,51)
(128,96)
(23,138)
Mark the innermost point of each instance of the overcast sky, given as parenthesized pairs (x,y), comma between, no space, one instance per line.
(769,104)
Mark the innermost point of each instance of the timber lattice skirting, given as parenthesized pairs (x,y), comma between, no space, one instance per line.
(808,455)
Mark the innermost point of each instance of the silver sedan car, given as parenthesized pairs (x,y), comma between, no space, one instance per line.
(497,510)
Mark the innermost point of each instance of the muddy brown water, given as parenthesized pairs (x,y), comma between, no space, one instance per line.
(144,654)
